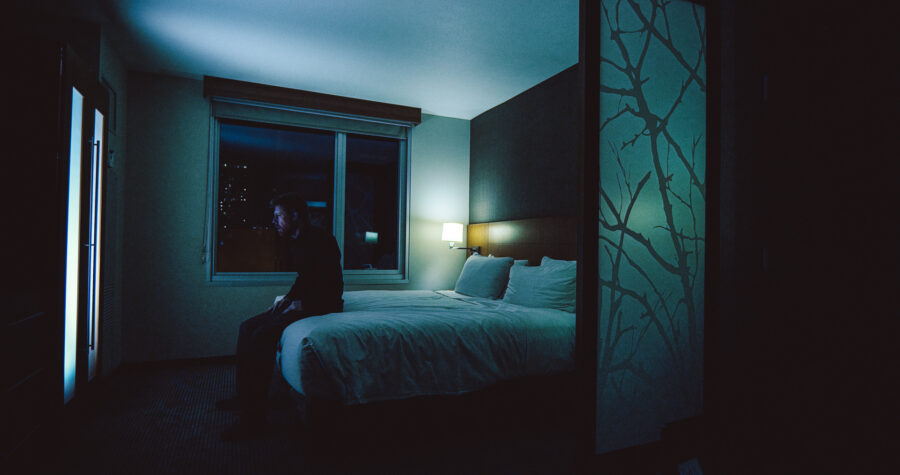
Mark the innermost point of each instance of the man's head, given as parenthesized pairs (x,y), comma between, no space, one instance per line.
(290,214)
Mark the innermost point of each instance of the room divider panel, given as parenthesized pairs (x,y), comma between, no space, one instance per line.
(651,218)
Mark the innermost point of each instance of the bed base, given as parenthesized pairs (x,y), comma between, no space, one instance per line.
(534,403)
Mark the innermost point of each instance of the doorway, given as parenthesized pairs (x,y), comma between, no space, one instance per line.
(83,237)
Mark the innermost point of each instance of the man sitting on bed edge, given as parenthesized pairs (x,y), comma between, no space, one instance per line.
(316,291)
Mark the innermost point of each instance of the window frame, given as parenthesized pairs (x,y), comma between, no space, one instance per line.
(224,108)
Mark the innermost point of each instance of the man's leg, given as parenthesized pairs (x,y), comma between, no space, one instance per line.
(244,378)
(256,358)
(244,334)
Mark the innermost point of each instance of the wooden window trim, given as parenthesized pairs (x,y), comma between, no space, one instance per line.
(214,86)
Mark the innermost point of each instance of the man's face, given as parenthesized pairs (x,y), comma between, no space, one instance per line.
(285,222)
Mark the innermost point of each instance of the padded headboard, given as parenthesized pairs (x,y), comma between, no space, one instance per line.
(532,238)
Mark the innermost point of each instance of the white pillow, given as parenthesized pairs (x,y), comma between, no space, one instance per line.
(516,262)
(550,285)
(570,265)
(484,276)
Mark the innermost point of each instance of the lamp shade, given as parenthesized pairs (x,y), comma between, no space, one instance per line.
(453,232)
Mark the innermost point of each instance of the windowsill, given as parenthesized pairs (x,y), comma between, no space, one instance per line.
(260,279)
(374,277)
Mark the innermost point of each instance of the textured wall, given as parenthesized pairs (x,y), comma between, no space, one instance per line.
(170,310)
(524,156)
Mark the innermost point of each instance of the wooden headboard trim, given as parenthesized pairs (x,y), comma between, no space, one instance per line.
(532,238)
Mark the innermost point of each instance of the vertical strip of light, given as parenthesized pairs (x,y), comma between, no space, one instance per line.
(73,235)
(96,215)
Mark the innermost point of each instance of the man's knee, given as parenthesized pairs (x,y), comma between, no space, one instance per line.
(246,327)
(251,324)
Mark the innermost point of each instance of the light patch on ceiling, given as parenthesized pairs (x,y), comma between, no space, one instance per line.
(451,58)
(229,45)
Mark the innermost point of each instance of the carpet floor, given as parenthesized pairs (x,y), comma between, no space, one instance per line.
(163,420)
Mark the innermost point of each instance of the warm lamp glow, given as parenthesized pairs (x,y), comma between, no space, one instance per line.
(453,232)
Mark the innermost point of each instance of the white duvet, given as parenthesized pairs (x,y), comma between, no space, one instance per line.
(399,344)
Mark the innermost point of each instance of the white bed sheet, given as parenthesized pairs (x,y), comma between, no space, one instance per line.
(399,344)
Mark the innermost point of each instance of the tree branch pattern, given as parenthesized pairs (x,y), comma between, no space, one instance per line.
(649,286)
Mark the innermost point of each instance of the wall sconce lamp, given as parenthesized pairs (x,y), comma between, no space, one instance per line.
(453,233)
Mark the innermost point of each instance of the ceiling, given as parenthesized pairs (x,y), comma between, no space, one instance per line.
(455,58)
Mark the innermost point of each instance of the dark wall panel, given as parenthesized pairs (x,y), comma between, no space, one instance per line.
(523,157)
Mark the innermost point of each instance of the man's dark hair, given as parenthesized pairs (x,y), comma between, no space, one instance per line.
(291,202)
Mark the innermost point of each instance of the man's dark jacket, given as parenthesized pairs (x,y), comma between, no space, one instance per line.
(320,281)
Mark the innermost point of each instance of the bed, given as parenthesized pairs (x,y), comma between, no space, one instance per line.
(508,321)
(390,345)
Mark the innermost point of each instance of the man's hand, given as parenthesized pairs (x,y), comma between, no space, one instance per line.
(283,304)
(293,306)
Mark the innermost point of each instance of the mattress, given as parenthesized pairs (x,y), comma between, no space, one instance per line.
(389,345)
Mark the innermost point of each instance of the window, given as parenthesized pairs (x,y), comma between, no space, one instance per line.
(352,172)
(370,231)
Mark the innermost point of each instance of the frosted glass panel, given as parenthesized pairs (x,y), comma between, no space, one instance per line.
(651,218)
(73,234)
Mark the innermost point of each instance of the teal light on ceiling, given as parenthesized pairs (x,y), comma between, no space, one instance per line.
(455,59)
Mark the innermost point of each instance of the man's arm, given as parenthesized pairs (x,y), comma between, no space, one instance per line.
(316,262)
(319,281)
